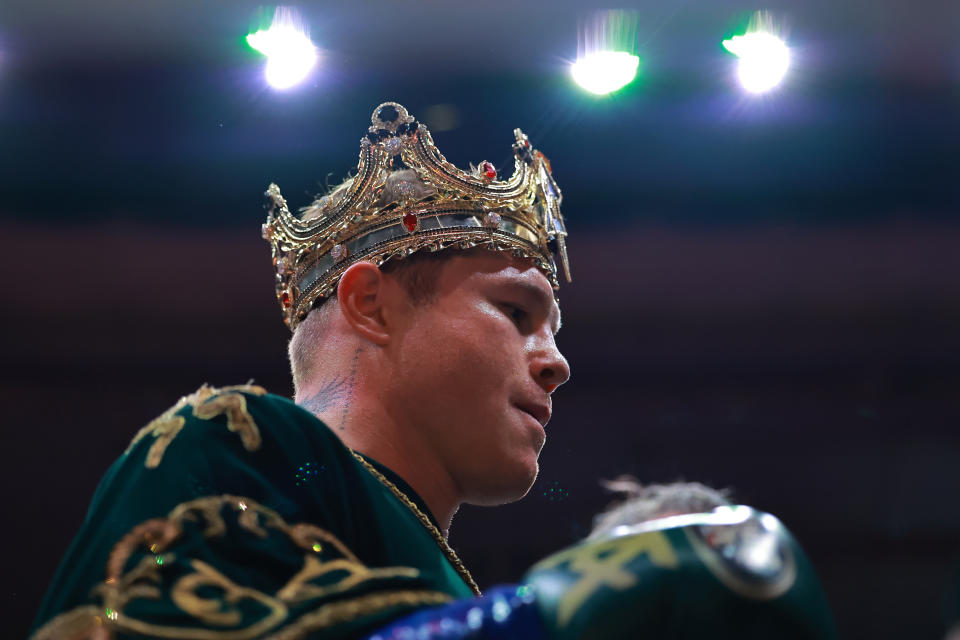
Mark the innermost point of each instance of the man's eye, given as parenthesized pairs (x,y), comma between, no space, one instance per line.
(516,314)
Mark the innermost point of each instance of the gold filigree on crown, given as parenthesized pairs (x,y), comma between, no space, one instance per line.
(451,208)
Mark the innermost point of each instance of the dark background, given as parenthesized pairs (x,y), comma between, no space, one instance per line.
(766,292)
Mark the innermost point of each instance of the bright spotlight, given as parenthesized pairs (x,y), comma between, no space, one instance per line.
(290,54)
(603,72)
(764,59)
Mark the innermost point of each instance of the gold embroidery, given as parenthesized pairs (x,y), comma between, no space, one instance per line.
(86,621)
(82,623)
(158,531)
(603,564)
(338,612)
(238,420)
(159,537)
(164,428)
(184,595)
(207,402)
(307,536)
(297,590)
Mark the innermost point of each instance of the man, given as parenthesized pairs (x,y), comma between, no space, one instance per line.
(424,383)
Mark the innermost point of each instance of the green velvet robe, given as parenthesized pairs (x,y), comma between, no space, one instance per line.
(237,514)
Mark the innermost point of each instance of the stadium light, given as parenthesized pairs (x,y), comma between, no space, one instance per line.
(763,60)
(286,44)
(603,72)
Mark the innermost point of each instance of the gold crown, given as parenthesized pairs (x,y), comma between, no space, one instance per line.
(441,207)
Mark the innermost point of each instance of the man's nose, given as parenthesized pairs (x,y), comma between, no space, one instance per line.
(549,368)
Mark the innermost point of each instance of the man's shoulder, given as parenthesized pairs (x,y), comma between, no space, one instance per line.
(237,440)
(226,482)
(243,418)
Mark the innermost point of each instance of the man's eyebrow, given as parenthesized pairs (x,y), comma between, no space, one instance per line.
(544,299)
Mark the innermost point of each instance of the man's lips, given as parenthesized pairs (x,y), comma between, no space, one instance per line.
(540,412)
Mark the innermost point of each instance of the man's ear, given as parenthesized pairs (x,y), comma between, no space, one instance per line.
(361,295)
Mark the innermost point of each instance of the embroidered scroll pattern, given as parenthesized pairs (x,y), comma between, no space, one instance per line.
(152,548)
(207,402)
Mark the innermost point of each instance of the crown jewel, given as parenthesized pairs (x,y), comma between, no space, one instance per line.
(406,197)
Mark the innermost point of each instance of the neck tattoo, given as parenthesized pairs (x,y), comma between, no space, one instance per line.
(336,392)
(350,386)
(329,394)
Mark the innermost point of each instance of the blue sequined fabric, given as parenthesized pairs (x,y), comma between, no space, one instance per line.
(506,611)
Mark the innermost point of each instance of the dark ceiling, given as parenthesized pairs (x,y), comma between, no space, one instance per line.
(766,289)
(160,112)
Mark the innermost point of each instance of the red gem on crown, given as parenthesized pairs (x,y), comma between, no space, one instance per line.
(410,222)
(489,171)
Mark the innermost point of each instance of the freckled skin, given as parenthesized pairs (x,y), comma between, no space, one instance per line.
(466,359)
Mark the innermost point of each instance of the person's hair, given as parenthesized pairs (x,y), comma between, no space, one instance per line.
(402,184)
(643,503)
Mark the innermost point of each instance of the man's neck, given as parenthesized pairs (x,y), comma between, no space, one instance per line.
(364,425)
(430,482)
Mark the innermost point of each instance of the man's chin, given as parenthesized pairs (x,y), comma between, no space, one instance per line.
(505,487)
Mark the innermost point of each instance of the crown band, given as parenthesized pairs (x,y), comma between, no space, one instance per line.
(437,226)
(433,206)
